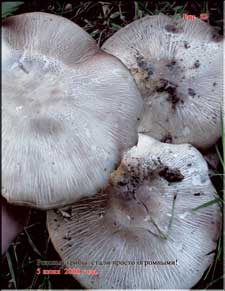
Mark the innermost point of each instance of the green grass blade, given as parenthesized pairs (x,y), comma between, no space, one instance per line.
(214,281)
(11,270)
(115,26)
(207,273)
(219,250)
(219,198)
(182,9)
(137,10)
(34,281)
(222,135)
(32,244)
(220,157)
(207,204)
(144,8)
(215,262)
(9,7)
(14,252)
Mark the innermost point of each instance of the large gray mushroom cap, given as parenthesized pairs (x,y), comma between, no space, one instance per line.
(178,67)
(69,111)
(143,223)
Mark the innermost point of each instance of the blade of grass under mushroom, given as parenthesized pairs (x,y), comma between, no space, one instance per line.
(69,111)
(177,65)
(11,270)
(144,215)
(9,7)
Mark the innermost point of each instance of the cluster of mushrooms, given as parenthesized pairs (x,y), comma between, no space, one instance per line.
(105,139)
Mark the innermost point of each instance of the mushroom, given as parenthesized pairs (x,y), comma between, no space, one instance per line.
(145,229)
(69,111)
(178,67)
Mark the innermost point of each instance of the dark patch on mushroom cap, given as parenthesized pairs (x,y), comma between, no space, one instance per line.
(196,64)
(173,28)
(170,88)
(144,65)
(171,175)
(167,138)
(46,126)
(216,37)
(171,65)
(67,237)
(186,45)
(191,92)
(122,183)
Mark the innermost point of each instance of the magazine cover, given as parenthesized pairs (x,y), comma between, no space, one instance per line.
(112,145)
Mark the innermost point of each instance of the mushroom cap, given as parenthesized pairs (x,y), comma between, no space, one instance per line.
(178,67)
(141,231)
(69,111)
